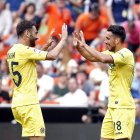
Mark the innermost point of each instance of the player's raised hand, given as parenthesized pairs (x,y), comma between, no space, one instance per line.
(49,41)
(64,33)
(82,39)
(76,37)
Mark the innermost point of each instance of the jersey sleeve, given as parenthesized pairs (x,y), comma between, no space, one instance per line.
(121,57)
(35,54)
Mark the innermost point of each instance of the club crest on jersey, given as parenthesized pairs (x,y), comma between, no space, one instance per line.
(36,51)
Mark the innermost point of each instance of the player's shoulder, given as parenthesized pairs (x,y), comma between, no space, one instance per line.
(17,47)
(15,51)
(125,52)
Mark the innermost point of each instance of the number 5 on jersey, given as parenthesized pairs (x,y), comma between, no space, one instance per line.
(16,73)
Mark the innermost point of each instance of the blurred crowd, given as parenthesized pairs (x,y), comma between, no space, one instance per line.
(71,80)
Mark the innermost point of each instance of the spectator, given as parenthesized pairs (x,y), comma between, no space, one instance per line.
(136,9)
(132,28)
(5,20)
(75,96)
(3,49)
(38,5)
(57,15)
(103,96)
(45,84)
(30,15)
(90,23)
(76,7)
(136,91)
(100,69)
(12,37)
(4,95)
(5,76)
(84,83)
(104,90)
(14,5)
(61,88)
(103,101)
(117,10)
(72,67)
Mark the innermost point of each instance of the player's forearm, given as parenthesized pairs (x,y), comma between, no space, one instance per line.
(98,56)
(85,54)
(53,54)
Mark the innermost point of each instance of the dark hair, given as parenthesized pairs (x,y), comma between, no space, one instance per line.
(30,4)
(118,31)
(23,26)
(94,7)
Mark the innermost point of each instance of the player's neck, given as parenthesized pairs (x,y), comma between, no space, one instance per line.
(119,47)
(22,41)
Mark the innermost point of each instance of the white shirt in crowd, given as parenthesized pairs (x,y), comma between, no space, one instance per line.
(5,22)
(78,98)
(45,84)
(104,90)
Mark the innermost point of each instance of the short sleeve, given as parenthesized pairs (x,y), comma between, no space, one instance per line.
(35,54)
(120,57)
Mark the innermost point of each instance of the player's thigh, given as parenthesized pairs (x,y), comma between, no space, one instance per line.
(124,121)
(32,121)
(107,130)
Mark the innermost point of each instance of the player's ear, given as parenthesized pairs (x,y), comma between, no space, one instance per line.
(117,40)
(27,33)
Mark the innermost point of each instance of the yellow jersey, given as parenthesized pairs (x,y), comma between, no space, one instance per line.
(22,65)
(120,79)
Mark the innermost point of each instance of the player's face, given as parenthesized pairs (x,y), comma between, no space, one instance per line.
(110,41)
(33,36)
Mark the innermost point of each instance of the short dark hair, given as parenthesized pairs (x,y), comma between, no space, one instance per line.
(30,4)
(118,31)
(94,7)
(23,26)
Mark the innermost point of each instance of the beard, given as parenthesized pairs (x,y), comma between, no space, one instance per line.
(32,41)
(112,49)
